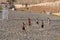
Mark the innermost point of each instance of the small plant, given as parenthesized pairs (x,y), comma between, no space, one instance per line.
(1,8)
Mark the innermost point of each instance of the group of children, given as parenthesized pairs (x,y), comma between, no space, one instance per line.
(37,22)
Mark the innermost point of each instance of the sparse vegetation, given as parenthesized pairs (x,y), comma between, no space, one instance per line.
(0,7)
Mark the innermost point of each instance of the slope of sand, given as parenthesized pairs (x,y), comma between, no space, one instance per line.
(45,9)
(52,7)
(41,9)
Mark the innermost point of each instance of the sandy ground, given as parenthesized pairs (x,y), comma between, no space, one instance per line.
(41,9)
(11,29)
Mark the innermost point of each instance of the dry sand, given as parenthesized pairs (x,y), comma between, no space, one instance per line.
(41,9)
